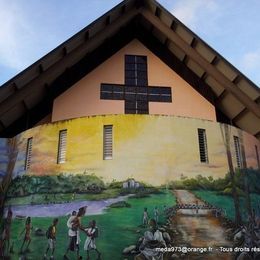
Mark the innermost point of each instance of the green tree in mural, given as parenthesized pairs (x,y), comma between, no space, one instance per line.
(64,183)
(225,130)
(12,156)
(245,178)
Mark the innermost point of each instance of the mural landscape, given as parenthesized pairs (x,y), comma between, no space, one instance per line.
(192,212)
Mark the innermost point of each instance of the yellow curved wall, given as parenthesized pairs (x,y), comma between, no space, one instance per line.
(150,148)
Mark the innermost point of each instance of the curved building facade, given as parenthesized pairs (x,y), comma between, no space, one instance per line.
(154,149)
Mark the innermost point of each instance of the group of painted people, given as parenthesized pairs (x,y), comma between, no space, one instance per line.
(74,228)
(153,237)
(156,215)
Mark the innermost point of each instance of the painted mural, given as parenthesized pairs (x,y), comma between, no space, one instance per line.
(153,199)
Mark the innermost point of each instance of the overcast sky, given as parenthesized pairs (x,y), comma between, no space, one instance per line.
(31,28)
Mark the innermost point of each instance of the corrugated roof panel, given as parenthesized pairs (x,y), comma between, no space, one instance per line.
(26,77)
(6,91)
(13,114)
(145,24)
(195,67)
(231,105)
(245,87)
(49,60)
(75,42)
(96,27)
(151,6)
(35,97)
(166,18)
(249,122)
(204,51)
(226,70)
(159,35)
(215,86)
(184,34)
(176,51)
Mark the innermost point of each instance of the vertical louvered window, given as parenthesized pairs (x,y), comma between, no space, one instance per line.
(62,146)
(238,152)
(108,142)
(257,156)
(28,156)
(203,145)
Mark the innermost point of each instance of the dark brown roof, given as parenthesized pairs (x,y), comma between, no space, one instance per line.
(27,98)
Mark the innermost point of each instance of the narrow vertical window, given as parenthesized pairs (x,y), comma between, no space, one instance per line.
(108,142)
(28,156)
(257,156)
(203,146)
(238,152)
(62,146)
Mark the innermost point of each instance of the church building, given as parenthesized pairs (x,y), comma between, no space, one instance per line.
(108,123)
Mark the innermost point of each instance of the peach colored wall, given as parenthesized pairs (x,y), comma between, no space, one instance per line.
(83,98)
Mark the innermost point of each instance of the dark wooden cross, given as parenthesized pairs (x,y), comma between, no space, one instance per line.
(136,92)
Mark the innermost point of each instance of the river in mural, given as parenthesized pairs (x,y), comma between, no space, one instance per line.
(63,209)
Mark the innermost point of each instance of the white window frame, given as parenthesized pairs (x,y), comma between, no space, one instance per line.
(108,142)
(28,156)
(62,146)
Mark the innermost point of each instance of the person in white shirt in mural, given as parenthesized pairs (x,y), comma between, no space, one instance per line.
(145,217)
(72,235)
(74,225)
(153,238)
(90,243)
(156,214)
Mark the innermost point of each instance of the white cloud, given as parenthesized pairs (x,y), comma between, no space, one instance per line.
(22,39)
(193,12)
(14,29)
(251,60)
(250,64)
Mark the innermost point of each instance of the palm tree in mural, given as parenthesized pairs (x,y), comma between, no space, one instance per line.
(245,177)
(225,130)
(12,156)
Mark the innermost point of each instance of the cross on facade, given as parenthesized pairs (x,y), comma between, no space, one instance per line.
(136,92)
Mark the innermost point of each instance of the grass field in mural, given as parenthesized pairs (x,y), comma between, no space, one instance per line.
(118,228)
(227,204)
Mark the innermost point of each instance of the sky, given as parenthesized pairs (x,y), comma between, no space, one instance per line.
(30,29)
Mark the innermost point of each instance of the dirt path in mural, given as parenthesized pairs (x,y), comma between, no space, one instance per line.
(199,230)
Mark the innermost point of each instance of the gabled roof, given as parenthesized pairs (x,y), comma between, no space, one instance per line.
(27,98)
